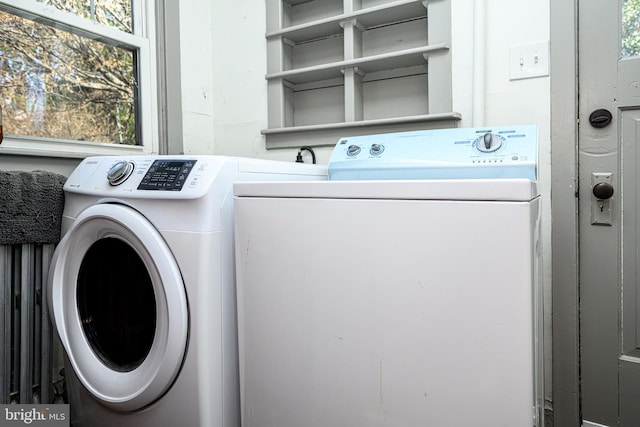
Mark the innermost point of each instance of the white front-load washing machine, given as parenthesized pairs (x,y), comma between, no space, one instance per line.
(402,292)
(142,288)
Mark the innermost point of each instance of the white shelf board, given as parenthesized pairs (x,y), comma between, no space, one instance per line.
(328,134)
(370,17)
(367,123)
(369,64)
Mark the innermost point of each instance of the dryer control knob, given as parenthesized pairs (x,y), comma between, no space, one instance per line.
(119,172)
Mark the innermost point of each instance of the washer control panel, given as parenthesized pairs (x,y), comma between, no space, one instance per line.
(460,153)
(146,176)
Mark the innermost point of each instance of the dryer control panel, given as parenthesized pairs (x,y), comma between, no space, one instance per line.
(460,153)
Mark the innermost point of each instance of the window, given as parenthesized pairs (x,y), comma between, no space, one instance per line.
(630,28)
(77,75)
(348,67)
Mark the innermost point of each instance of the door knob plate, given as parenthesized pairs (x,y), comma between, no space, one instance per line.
(601,200)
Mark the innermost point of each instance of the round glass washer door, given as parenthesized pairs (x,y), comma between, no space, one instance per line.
(119,303)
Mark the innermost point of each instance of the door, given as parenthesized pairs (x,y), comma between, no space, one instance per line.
(609,158)
(119,305)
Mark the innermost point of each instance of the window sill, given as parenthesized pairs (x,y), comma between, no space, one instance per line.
(42,147)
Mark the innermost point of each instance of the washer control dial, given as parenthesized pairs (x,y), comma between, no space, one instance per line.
(119,172)
(376,149)
(353,150)
(489,142)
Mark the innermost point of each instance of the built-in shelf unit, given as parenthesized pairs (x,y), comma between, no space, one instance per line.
(349,67)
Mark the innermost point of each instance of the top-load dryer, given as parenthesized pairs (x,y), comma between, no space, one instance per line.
(403,292)
(141,288)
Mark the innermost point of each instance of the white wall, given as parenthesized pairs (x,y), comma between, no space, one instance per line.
(239,64)
(63,166)
(240,92)
(196,73)
(240,89)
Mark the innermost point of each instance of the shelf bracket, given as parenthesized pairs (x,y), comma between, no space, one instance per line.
(288,42)
(425,3)
(356,70)
(353,23)
(438,49)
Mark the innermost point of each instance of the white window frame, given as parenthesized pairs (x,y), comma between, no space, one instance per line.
(143,40)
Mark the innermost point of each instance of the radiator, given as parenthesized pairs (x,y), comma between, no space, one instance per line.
(26,333)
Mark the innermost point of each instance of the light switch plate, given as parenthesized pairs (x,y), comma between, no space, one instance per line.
(529,61)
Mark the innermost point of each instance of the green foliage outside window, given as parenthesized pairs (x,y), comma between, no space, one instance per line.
(631,28)
(56,84)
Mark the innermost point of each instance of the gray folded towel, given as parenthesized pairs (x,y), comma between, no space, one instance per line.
(31,206)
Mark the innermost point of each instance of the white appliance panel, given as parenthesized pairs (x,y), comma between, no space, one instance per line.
(387,312)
